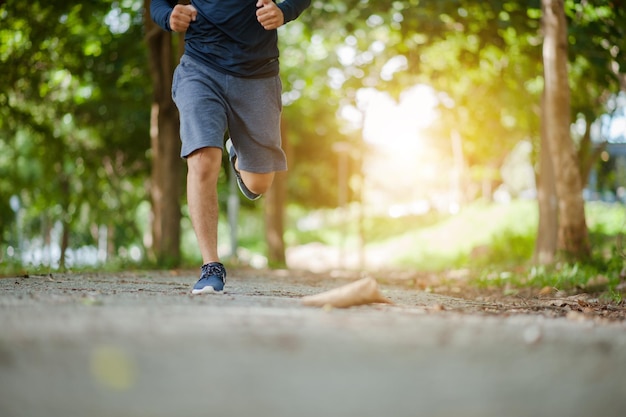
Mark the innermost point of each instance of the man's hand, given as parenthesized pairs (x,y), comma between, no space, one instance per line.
(269,14)
(182,16)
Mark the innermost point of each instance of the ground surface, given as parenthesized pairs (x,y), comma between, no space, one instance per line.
(137,344)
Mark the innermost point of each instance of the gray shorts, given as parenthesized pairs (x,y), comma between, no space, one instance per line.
(211,103)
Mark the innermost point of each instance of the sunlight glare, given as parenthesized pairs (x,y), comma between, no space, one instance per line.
(404,171)
(397,124)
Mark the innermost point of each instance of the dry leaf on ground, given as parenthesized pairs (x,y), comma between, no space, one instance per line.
(363,291)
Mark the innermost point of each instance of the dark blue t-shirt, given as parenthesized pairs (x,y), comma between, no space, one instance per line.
(227,36)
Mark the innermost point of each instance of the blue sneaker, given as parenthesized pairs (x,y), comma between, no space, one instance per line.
(232,156)
(212,279)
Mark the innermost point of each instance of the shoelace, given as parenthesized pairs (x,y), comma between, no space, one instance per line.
(214,269)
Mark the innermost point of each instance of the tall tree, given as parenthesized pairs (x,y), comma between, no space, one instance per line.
(573,239)
(167,167)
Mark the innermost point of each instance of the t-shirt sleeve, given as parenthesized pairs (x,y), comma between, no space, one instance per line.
(160,11)
(293,8)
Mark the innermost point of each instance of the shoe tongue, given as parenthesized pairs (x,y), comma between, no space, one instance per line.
(213,268)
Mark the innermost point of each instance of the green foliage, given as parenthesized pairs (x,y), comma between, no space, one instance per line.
(506,266)
(74,117)
(478,233)
(484,58)
(508,247)
(598,277)
(382,228)
(310,124)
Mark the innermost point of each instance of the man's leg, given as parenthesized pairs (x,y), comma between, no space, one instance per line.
(257,183)
(251,184)
(203,170)
(196,91)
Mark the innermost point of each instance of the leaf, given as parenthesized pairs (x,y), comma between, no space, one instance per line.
(363,291)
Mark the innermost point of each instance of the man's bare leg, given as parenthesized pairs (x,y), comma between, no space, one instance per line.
(203,170)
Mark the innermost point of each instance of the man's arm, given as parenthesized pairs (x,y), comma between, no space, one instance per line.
(172,16)
(160,12)
(272,15)
(293,8)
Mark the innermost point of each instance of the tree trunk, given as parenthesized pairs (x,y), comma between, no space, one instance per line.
(547,230)
(64,185)
(573,238)
(65,243)
(587,154)
(275,201)
(167,167)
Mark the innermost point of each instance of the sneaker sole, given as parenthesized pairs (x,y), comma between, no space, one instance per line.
(242,187)
(206,290)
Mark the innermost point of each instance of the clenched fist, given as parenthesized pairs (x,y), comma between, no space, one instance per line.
(182,16)
(269,14)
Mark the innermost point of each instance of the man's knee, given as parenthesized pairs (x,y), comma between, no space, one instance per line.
(205,163)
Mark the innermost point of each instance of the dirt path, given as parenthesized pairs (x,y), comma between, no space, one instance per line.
(140,345)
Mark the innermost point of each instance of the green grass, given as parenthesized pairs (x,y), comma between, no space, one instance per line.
(503,238)
(479,234)
(494,242)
